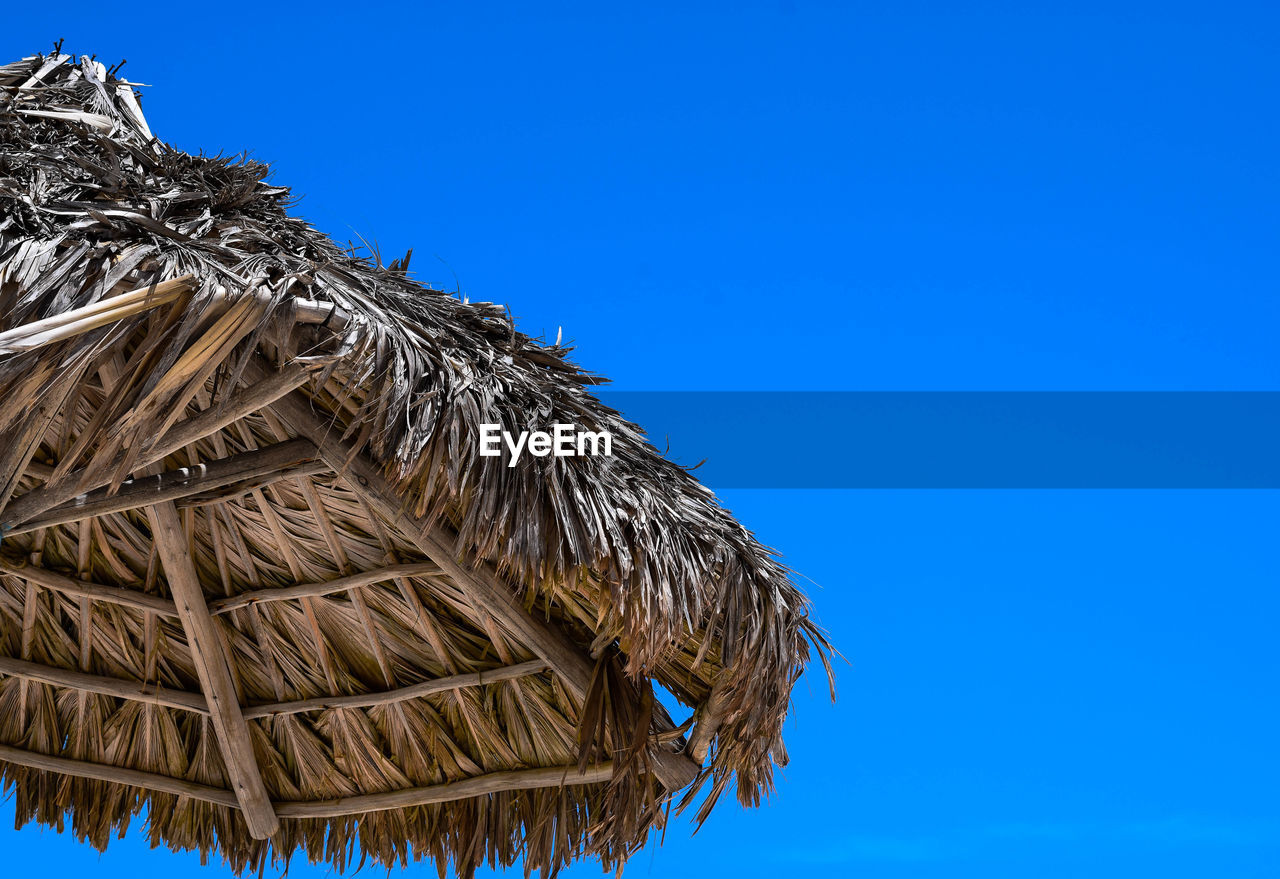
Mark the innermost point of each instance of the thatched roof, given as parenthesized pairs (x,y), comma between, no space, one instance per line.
(255,577)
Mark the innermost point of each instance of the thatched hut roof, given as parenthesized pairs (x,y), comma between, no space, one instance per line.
(255,577)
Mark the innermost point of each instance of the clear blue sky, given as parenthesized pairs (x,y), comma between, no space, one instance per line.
(792,196)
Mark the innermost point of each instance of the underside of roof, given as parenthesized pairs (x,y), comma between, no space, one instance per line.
(256,578)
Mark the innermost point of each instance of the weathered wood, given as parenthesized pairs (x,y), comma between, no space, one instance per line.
(210,660)
(248,486)
(402,694)
(710,717)
(174,484)
(480,582)
(84,589)
(38,470)
(269,386)
(305,311)
(480,785)
(134,691)
(118,774)
(476,786)
(325,587)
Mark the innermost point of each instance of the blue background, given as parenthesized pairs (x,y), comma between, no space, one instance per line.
(797,196)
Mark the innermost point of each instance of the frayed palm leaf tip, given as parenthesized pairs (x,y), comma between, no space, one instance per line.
(257,582)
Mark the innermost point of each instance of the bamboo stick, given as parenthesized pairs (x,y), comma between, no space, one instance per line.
(710,717)
(306,311)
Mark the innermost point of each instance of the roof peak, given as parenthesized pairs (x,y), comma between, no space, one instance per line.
(86,92)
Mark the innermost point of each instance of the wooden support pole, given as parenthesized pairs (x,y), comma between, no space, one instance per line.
(215,675)
(171,485)
(480,582)
(402,694)
(134,691)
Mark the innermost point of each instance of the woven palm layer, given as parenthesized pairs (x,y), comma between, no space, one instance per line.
(144,292)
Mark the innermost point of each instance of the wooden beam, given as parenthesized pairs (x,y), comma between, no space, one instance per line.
(38,470)
(137,691)
(215,675)
(134,691)
(84,589)
(480,582)
(119,775)
(402,694)
(247,486)
(476,786)
(174,484)
(324,587)
(270,386)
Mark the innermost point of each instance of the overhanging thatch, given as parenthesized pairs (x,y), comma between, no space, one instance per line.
(256,577)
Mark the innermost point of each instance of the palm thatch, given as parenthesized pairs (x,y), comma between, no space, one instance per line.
(255,577)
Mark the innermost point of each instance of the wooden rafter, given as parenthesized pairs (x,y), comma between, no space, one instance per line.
(153,694)
(476,786)
(213,670)
(401,694)
(118,595)
(139,600)
(134,691)
(248,486)
(118,774)
(326,587)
